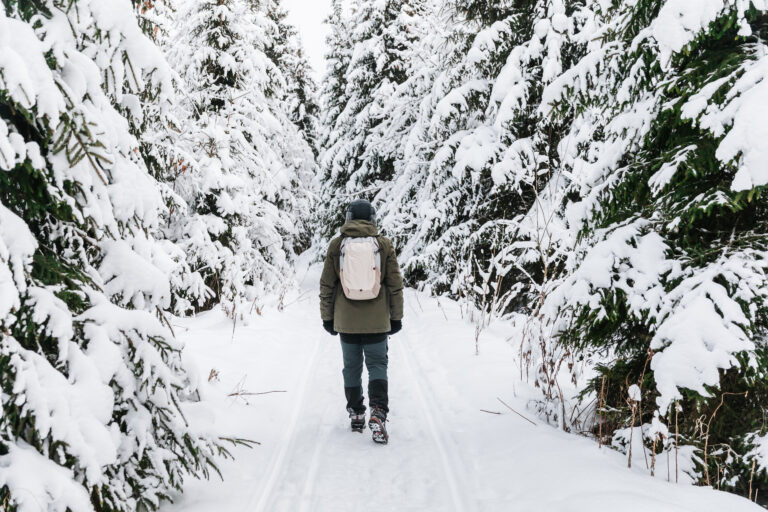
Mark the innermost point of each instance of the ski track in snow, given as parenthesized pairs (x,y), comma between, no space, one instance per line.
(263,495)
(443,456)
(427,410)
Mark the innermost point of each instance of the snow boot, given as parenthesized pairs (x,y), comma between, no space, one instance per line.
(378,426)
(356,421)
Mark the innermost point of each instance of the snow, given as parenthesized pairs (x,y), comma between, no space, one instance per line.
(24,72)
(16,248)
(444,452)
(760,452)
(701,328)
(680,21)
(747,113)
(34,479)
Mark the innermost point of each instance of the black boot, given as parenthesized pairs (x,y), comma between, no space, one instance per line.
(355,408)
(356,421)
(379,399)
(378,426)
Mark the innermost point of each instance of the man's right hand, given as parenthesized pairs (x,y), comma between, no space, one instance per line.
(328,326)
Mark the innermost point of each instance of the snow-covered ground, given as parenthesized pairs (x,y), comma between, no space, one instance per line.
(445,454)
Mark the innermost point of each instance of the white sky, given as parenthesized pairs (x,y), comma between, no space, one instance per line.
(307,16)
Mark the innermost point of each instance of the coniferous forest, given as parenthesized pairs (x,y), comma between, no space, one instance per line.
(589,173)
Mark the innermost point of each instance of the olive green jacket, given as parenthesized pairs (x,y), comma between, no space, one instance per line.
(361,316)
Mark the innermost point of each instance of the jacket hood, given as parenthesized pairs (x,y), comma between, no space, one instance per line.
(359,227)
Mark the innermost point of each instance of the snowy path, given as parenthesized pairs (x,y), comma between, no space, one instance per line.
(444,454)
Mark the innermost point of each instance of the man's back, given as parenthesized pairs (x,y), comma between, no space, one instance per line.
(361,316)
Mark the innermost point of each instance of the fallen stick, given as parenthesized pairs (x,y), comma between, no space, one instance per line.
(490,412)
(514,411)
(245,393)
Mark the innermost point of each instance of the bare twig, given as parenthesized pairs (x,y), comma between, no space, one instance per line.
(416,296)
(247,393)
(490,412)
(514,411)
(442,310)
(161,314)
(709,423)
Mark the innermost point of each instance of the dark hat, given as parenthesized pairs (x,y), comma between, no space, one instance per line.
(362,210)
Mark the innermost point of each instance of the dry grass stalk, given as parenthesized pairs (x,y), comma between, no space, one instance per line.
(706,435)
(281,301)
(631,433)
(600,414)
(677,444)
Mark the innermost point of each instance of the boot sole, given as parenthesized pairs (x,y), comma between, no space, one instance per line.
(378,433)
(359,429)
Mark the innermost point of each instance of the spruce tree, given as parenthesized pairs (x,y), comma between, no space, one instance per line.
(482,154)
(246,185)
(667,286)
(286,51)
(159,130)
(92,381)
(380,38)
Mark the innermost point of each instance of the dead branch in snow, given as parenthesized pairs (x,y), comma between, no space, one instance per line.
(514,411)
(248,393)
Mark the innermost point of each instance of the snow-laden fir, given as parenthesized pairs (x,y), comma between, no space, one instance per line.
(93,381)
(108,160)
(245,179)
(575,189)
(594,167)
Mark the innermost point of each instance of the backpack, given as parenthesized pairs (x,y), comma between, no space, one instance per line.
(360,268)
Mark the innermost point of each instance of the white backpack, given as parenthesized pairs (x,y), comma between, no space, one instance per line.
(360,268)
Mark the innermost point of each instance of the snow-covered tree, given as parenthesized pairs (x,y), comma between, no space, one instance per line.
(667,283)
(482,152)
(92,380)
(287,52)
(588,163)
(245,184)
(155,122)
(339,51)
(364,70)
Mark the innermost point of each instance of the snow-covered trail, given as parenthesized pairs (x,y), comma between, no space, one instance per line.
(444,453)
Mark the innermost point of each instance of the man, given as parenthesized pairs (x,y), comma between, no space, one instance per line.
(361,298)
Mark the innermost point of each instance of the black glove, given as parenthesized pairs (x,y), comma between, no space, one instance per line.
(395,326)
(328,326)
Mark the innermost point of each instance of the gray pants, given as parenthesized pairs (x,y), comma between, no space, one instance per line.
(374,355)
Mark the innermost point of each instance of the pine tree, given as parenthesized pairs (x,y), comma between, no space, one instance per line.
(246,185)
(380,37)
(92,380)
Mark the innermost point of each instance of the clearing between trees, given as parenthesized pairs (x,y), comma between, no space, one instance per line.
(445,452)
